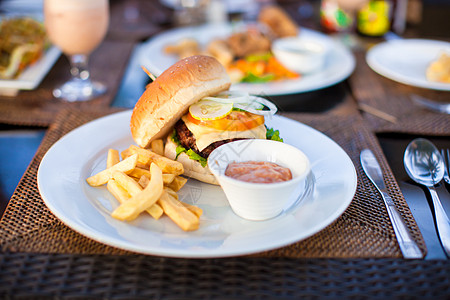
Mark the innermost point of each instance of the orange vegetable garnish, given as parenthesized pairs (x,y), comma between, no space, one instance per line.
(280,71)
(271,66)
(152,77)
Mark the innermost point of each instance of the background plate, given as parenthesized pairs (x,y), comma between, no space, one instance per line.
(338,66)
(232,6)
(30,78)
(406,61)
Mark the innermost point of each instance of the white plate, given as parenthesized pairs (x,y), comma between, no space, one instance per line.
(86,209)
(406,61)
(30,78)
(232,6)
(339,63)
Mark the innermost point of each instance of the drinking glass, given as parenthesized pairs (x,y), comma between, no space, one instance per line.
(77,27)
(190,12)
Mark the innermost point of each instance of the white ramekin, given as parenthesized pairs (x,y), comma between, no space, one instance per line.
(259,201)
(299,54)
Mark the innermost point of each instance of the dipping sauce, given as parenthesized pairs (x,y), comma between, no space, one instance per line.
(258,172)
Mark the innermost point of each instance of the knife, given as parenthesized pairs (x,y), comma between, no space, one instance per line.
(372,169)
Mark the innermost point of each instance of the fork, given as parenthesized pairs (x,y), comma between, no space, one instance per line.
(432,105)
(446,157)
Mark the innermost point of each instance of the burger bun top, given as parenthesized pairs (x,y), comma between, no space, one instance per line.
(169,96)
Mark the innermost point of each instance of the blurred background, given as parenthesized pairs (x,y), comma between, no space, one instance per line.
(428,17)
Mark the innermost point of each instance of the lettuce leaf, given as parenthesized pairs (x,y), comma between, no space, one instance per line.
(252,78)
(258,57)
(192,155)
(273,135)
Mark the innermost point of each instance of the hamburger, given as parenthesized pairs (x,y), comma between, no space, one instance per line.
(189,106)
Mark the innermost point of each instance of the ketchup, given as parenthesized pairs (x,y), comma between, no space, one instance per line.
(258,172)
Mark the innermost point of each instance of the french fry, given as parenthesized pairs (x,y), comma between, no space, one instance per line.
(176,211)
(126,165)
(146,181)
(143,181)
(168,178)
(142,166)
(113,158)
(126,153)
(194,209)
(146,157)
(143,161)
(130,209)
(157,146)
(139,172)
(155,211)
(133,188)
(177,183)
(171,192)
(117,191)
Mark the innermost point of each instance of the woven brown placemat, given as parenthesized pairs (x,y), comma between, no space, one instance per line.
(39,108)
(375,93)
(364,230)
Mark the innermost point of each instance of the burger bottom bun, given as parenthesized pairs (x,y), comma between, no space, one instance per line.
(192,168)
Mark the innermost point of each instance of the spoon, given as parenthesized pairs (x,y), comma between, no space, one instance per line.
(425,165)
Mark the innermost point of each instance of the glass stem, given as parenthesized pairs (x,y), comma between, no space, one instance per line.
(79,66)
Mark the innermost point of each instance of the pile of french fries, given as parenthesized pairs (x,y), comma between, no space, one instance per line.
(145,181)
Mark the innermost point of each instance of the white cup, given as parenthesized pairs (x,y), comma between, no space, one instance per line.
(300,55)
(259,201)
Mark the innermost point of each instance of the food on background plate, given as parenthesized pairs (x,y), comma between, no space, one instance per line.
(221,51)
(183,48)
(246,53)
(152,190)
(278,21)
(22,42)
(248,42)
(190,106)
(439,69)
(258,172)
(260,69)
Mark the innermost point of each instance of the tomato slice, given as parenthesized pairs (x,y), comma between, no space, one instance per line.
(235,121)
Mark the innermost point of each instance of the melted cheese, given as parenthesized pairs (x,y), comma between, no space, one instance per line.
(205,136)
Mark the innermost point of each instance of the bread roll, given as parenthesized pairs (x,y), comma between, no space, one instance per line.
(192,168)
(168,98)
(439,70)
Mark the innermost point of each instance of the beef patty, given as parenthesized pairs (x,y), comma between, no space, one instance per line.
(187,140)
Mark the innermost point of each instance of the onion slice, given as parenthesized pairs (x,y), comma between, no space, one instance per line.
(244,101)
(230,97)
(259,106)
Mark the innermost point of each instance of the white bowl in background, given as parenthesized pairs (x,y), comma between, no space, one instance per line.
(300,55)
(259,201)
